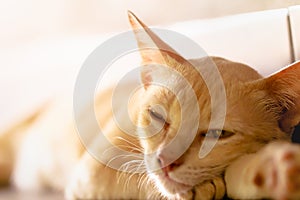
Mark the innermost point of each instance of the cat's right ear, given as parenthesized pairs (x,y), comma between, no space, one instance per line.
(153,49)
(284,88)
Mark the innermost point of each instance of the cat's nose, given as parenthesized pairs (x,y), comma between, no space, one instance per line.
(166,164)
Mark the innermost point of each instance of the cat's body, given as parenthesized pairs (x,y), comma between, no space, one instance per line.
(258,111)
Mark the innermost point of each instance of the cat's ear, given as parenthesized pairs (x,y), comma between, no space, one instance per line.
(284,87)
(153,50)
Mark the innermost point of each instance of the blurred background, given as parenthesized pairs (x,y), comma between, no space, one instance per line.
(43,43)
(22,21)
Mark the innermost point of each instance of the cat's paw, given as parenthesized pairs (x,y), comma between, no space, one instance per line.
(93,180)
(214,189)
(278,171)
(90,180)
(81,186)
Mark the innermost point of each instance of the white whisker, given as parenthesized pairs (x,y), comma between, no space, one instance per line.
(129,142)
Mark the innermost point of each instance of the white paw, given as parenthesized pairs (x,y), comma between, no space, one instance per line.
(84,184)
(278,171)
(93,180)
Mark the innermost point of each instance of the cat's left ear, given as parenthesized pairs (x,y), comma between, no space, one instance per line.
(284,87)
(153,49)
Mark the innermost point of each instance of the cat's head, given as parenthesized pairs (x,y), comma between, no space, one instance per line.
(177,118)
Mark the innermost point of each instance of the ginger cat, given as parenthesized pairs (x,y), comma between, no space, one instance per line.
(252,156)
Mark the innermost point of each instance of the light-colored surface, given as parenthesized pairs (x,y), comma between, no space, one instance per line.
(259,39)
(7,194)
(37,70)
(295,29)
(22,21)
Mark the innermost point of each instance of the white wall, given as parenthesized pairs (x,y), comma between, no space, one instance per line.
(21,21)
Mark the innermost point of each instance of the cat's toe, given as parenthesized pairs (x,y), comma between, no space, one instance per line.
(289,178)
(214,189)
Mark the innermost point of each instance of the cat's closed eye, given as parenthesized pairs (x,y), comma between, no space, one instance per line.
(217,133)
(156,115)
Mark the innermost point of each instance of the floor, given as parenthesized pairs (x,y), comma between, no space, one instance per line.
(8,194)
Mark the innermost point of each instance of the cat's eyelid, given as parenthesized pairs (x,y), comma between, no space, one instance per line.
(218,133)
(156,115)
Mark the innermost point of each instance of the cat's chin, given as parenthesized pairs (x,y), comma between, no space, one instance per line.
(170,187)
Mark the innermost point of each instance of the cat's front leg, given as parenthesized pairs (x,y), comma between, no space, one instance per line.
(93,180)
(274,172)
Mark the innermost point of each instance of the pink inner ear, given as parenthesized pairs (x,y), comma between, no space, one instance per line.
(146,77)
